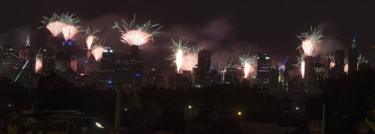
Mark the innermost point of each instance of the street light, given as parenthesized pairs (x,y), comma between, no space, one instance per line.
(190,107)
(239,113)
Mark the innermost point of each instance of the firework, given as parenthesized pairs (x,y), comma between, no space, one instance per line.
(302,64)
(248,62)
(56,23)
(90,37)
(361,60)
(55,27)
(136,34)
(69,31)
(190,59)
(38,64)
(346,68)
(179,48)
(332,62)
(97,51)
(224,65)
(310,41)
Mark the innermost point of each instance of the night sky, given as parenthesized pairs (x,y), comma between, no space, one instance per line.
(221,25)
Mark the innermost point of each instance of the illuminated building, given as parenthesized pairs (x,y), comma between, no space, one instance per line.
(264,68)
(353,55)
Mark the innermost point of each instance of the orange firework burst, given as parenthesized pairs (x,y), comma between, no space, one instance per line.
(136,34)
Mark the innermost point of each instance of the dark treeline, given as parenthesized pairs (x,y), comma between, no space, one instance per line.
(348,99)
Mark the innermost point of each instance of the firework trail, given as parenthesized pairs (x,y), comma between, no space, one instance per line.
(91,37)
(56,23)
(136,34)
(97,50)
(226,64)
(302,64)
(248,62)
(310,41)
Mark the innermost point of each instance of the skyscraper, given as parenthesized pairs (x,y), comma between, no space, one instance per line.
(339,62)
(106,69)
(353,55)
(204,65)
(264,68)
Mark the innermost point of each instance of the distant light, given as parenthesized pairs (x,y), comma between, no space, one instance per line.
(97,124)
(153,69)
(239,113)
(109,82)
(125,109)
(111,51)
(297,108)
(138,75)
(267,58)
(190,107)
(9,105)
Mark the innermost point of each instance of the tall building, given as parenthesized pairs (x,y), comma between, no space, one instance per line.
(129,71)
(25,52)
(155,79)
(204,65)
(264,68)
(8,60)
(231,76)
(354,53)
(106,69)
(339,57)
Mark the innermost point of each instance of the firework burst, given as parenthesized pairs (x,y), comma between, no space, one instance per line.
(310,41)
(56,22)
(179,49)
(69,31)
(136,34)
(97,50)
(91,37)
(248,62)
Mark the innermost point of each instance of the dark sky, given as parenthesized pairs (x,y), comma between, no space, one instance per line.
(269,25)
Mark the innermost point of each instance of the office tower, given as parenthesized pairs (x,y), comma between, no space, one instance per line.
(202,71)
(263,68)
